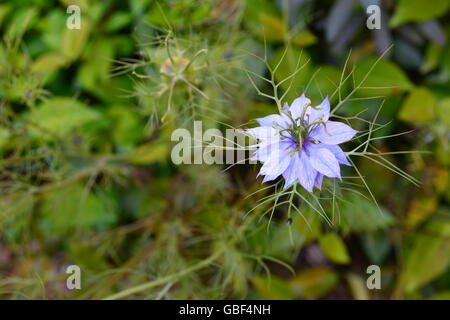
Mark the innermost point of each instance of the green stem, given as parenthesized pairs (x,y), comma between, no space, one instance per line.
(173,277)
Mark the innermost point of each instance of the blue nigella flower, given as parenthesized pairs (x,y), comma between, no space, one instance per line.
(301,144)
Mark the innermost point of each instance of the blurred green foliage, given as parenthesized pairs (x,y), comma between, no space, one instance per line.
(86,178)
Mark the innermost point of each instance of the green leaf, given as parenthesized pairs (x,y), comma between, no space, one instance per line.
(4,137)
(93,73)
(314,282)
(361,214)
(288,66)
(420,208)
(418,10)
(429,256)
(383,78)
(274,27)
(149,153)
(281,244)
(432,57)
(83,4)
(309,226)
(48,62)
(60,116)
(443,295)
(4,10)
(75,207)
(265,21)
(304,38)
(357,286)
(334,248)
(126,129)
(73,41)
(22,21)
(273,288)
(118,20)
(376,246)
(444,110)
(419,106)
(324,84)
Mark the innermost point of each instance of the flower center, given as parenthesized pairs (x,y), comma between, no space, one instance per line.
(301,129)
(299,134)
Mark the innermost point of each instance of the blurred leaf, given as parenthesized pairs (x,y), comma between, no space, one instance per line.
(73,41)
(76,207)
(83,4)
(432,57)
(48,62)
(304,38)
(51,27)
(181,13)
(419,106)
(22,21)
(93,73)
(273,288)
(4,137)
(358,286)
(443,295)
(337,18)
(310,229)
(288,65)
(4,10)
(444,110)
(375,173)
(360,214)
(264,19)
(149,153)
(280,244)
(440,179)
(429,255)
(127,129)
(407,55)
(421,208)
(418,10)
(384,74)
(87,257)
(325,83)
(314,282)
(118,21)
(433,31)
(376,246)
(334,248)
(274,28)
(61,116)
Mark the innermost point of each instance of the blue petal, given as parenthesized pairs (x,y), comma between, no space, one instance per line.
(298,105)
(306,173)
(338,153)
(318,181)
(264,134)
(324,161)
(320,112)
(276,163)
(266,151)
(274,120)
(290,174)
(335,133)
